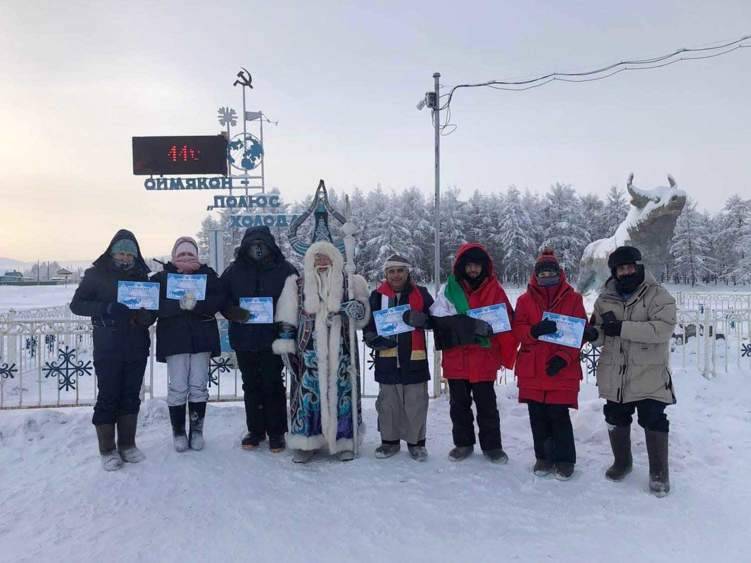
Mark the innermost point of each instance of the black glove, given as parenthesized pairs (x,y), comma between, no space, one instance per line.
(116,312)
(236,314)
(555,364)
(417,319)
(143,317)
(590,333)
(482,328)
(612,328)
(379,342)
(543,327)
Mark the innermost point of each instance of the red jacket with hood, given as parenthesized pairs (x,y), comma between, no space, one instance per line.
(532,359)
(473,362)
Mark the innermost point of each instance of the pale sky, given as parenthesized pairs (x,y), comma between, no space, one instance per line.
(79,79)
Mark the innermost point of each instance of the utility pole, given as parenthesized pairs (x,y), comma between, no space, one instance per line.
(437,220)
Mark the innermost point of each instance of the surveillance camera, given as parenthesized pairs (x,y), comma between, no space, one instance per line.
(421,104)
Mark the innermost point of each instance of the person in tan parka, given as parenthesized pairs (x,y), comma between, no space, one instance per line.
(634,317)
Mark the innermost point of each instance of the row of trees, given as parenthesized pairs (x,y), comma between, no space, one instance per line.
(514,225)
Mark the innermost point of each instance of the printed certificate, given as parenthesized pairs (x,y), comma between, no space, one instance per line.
(180,284)
(138,295)
(389,321)
(569,333)
(495,315)
(261,310)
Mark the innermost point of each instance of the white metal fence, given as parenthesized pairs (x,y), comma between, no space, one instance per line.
(46,354)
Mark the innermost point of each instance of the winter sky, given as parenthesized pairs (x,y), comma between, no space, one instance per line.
(81,78)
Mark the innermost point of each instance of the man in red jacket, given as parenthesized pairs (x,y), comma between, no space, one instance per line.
(472,354)
(548,374)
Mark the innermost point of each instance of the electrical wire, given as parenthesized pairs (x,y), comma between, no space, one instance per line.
(601,73)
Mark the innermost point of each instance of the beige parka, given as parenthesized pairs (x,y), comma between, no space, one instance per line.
(636,364)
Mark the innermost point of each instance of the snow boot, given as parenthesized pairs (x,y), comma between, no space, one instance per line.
(252,440)
(657,451)
(542,468)
(496,456)
(387,450)
(303,456)
(620,442)
(197,414)
(277,444)
(126,438)
(563,471)
(346,455)
(177,418)
(460,453)
(418,453)
(111,460)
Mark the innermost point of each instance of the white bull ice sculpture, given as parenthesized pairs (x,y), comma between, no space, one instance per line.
(648,226)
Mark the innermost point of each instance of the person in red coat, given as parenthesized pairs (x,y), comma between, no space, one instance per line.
(548,374)
(472,354)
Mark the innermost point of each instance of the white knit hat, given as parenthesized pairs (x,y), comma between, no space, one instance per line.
(396,261)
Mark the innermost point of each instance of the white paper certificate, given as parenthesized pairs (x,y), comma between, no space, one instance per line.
(261,309)
(569,333)
(495,315)
(389,322)
(180,284)
(138,295)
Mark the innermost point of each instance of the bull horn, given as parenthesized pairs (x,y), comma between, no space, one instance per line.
(671,181)
(637,199)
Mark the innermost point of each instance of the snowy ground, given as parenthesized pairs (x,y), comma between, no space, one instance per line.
(226,504)
(33,297)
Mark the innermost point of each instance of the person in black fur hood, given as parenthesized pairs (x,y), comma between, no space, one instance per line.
(121,347)
(258,271)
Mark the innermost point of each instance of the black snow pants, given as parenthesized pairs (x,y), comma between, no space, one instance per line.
(651,414)
(119,386)
(552,432)
(264,393)
(462,392)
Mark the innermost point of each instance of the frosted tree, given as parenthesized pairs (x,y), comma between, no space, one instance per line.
(565,230)
(453,228)
(614,211)
(593,211)
(690,246)
(515,228)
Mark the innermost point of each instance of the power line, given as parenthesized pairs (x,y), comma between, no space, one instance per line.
(597,74)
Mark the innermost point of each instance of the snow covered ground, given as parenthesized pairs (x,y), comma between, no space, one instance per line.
(226,504)
(34,296)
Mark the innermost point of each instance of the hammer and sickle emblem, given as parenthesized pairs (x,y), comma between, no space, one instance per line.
(244,78)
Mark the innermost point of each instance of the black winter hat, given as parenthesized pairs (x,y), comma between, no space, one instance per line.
(623,255)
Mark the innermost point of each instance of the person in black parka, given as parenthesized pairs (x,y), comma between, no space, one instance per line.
(259,270)
(187,337)
(121,346)
(401,362)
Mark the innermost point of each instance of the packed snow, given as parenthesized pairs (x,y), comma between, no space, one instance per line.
(227,504)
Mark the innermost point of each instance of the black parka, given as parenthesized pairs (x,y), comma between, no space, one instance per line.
(188,332)
(248,278)
(123,340)
(401,368)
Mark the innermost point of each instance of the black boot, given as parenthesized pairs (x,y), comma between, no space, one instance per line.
(126,438)
(105,434)
(177,418)
(620,442)
(197,414)
(657,450)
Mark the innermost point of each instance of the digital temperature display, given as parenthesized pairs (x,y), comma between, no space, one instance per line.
(197,154)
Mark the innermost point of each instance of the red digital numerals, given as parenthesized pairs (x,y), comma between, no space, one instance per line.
(184,153)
